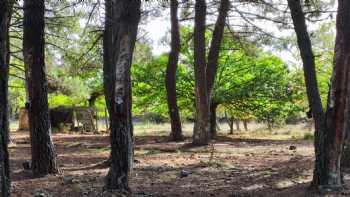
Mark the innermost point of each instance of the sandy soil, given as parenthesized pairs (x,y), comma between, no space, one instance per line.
(228,167)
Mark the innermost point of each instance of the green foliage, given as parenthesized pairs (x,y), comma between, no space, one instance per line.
(250,84)
(308,136)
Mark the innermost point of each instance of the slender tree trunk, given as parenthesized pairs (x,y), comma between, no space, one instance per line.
(213,55)
(121,24)
(214,50)
(201,133)
(43,152)
(330,127)
(213,125)
(5,184)
(237,125)
(170,81)
(229,121)
(231,125)
(245,124)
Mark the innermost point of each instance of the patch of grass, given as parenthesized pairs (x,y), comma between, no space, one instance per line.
(308,136)
(102,149)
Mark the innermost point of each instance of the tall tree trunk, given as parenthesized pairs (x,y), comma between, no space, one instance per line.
(122,19)
(312,91)
(5,9)
(338,99)
(330,127)
(213,55)
(201,129)
(245,124)
(170,81)
(213,125)
(43,152)
(214,50)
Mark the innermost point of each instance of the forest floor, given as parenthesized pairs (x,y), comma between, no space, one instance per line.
(249,163)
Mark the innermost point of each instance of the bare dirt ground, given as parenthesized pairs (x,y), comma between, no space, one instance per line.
(249,163)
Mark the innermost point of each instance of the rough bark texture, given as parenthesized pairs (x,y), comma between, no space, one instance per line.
(338,99)
(122,19)
(170,81)
(4,127)
(201,129)
(330,127)
(43,152)
(213,125)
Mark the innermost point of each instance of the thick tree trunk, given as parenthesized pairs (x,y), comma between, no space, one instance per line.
(201,133)
(213,125)
(338,99)
(330,127)
(345,159)
(5,8)
(43,152)
(170,81)
(122,19)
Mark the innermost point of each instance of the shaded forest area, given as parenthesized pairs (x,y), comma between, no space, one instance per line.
(174,98)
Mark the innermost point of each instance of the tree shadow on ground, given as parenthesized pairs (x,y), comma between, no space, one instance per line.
(157,175)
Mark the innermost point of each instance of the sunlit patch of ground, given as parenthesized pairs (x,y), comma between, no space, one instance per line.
(249,163)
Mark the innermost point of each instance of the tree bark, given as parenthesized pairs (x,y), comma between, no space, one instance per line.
(214,50)
(121,24)
(237,125)
(213,125)
(170,81)
(201,134)
(330,127)
(43,152)
(230,123)
(213,55)
(338,99)
(245,124)
(5,184)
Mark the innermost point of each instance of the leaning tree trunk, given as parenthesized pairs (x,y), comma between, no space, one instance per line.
(213,55)
(170,81)
(5,8)
(43,152)
(201,129)
(121,24)
(330,127)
